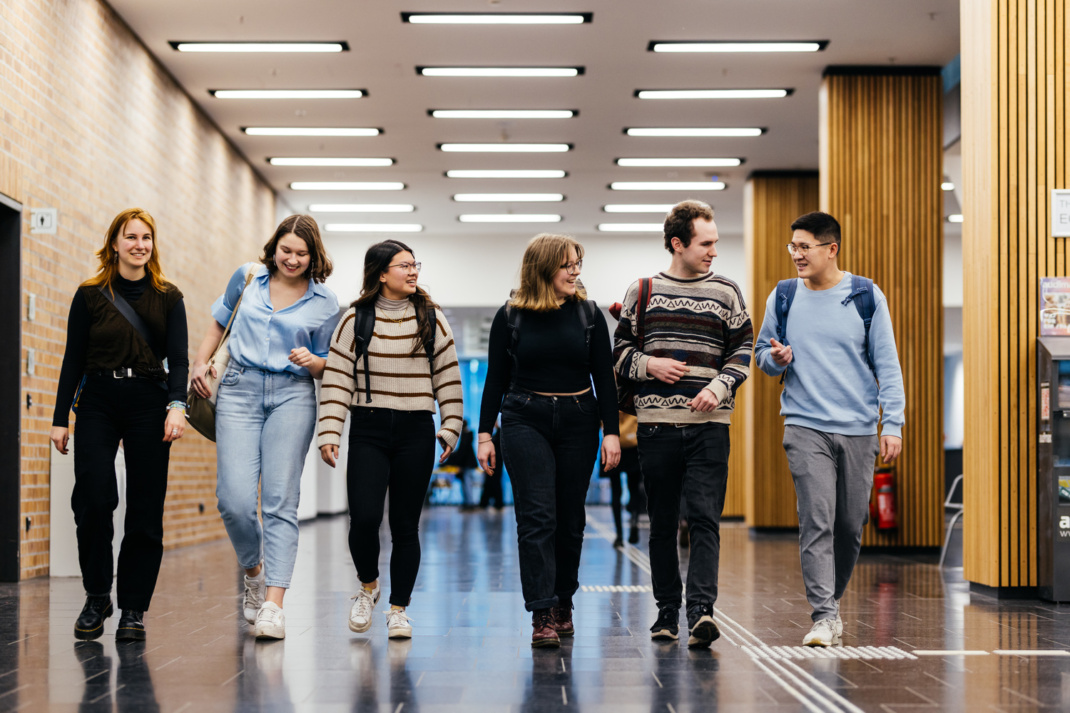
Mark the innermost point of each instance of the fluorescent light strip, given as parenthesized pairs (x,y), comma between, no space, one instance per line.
(954,218)
(362,162)
(697,131)
(346,186)
(737,46)
(662,208)
(631,227)
(679,162)
(509,218)
(508,197)
(947,186)
(498,18)
(519,173)
(260,46)
(667,186)
(502,113)
(287,93)
(373,227)
(499,71)
(712,93)
(361,208)
(308,131)
(506,148)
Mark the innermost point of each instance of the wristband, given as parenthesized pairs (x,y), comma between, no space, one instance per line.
(180,405)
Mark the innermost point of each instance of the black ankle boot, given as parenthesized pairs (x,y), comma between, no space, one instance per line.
(131,626)
(90,624)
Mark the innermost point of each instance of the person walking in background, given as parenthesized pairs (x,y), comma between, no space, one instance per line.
(830,334)
(492,481)
(629,466)
(463,458)
(546,345)
(123,323)
(266,406)
(392,357)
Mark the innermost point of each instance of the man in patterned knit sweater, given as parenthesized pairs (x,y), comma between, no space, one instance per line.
(696,352)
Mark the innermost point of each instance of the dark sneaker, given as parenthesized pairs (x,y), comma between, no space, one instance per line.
(618,543)
(667,627)
(563,620)
(131,626)
(543,632)
(703,628)
(633,535)
(90,624)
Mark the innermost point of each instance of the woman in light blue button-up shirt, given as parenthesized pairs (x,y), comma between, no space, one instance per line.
(266,406)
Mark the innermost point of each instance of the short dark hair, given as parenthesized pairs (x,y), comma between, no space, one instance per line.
(680,222)
(822,226)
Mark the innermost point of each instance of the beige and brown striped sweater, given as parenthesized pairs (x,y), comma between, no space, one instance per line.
(398,381)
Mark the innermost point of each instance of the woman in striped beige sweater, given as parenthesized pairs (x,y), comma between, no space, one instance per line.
(388,377)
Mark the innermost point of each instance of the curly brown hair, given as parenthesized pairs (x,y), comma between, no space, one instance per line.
(680,222)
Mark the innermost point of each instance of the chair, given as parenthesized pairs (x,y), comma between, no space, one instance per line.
(957,508)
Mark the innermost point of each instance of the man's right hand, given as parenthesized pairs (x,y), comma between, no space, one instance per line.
(668,370)
(780,353)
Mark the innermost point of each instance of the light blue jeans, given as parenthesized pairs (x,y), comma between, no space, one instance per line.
(264,424)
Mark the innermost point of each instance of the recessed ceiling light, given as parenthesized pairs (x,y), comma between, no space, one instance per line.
(638,208)
(717,46)
(509,218)
(712,93)
(373,227)
(954,218)
(347,186)
(696,131)
(631,227)
(308,131)
(667,186)
(500,71)
(502,113)
(260,46)
(331,161)
(287,93)
(509,173)
(508,197)
(947,186)
(679,162)
(498,18)
(361,208)
(506,148)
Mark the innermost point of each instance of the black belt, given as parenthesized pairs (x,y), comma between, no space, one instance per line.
(121,373)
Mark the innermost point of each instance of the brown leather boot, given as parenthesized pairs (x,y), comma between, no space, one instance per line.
(544,634)
(563,620)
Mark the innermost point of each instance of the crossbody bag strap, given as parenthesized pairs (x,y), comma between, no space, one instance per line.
(233,313)
(132,317)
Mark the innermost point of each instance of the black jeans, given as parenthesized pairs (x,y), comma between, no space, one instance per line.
(549,444)
(691,461)
(389,451)
(133,411)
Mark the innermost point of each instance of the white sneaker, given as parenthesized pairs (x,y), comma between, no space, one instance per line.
(360,614)
(270,622)
(822,633)
(253,598)
(397,624)
(838,620)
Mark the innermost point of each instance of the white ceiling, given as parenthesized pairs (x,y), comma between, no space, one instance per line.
(384,53)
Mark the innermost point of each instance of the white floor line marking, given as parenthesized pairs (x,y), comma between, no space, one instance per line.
(563,669)
(420,679)
(188,704)
(671,709)
(398,709)
(935,652)
(564,696)
(656,679)
(1035,652)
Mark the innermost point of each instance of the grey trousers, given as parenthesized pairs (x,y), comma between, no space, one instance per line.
(833,477)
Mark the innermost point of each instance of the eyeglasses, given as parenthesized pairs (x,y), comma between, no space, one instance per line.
(573,268)
(407,266)
(804,248)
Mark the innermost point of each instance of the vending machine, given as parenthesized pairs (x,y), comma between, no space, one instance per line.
(1053,468)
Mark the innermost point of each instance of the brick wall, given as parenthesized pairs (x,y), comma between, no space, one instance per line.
(92,124)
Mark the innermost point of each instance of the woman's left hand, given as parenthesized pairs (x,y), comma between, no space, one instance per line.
(610,452)
(174,426)
(302,357)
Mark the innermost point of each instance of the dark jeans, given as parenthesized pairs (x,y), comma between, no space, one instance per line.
(133,411)
(389,451)
(691,461)
(549,444)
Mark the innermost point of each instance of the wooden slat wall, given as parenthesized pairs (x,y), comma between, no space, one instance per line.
(735,497)
(881,169)
(772,201)
(1014,127)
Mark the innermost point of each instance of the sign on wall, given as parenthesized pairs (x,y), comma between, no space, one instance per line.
(1055,306)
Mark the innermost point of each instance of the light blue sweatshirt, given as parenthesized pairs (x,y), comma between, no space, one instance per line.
(829,386)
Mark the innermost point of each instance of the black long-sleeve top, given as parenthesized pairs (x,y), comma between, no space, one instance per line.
(553,357)
(99,337)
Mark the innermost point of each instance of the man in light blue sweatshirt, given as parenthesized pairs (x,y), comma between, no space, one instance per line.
(834,391)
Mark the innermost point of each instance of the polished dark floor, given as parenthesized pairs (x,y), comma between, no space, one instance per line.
(914,640)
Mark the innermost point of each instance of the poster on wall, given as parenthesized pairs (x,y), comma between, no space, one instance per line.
(1055,306)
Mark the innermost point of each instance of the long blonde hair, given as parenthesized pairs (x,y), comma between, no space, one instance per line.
(542,259)
(109,259)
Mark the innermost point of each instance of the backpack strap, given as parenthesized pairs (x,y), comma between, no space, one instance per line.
(429,344)
(645,286)
(362,337)
(866,304)
(785,295)
(512,319)
(587,319)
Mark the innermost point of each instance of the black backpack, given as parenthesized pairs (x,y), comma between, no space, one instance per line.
(362,338)
(587,318)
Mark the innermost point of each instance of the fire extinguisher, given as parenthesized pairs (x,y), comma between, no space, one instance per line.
(883,508)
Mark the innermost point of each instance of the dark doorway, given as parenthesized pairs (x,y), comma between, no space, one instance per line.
(10,387)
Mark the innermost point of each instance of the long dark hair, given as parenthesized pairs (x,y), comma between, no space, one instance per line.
(376,262)
(304,227)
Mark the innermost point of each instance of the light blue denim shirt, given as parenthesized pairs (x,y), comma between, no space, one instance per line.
(261,337)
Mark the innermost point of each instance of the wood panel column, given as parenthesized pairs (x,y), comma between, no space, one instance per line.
(1014,131)
(881,169)
(772,201)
